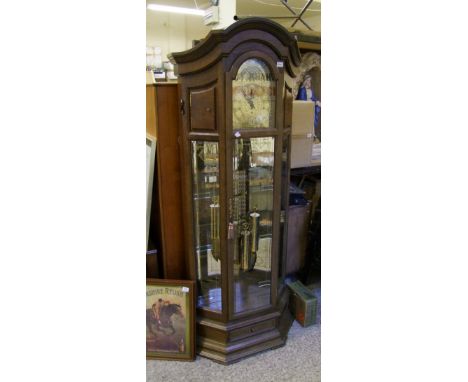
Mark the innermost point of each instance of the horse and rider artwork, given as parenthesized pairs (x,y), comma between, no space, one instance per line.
(170,319)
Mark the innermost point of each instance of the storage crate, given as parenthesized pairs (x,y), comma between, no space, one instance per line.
(303,304)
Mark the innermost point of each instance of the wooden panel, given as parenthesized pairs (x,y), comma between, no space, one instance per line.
(297,237)
(169,181)
(151,110)
(213,333)
(152,264)
(203,109)
(252,330)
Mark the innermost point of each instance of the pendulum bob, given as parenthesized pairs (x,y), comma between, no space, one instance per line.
(254,224)
(245,248)
(199,266)
(233,227)
(233,235)
(197,218)
(214,229)
(252,260)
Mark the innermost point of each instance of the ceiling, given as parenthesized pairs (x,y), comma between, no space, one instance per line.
(275,8)
(263,8)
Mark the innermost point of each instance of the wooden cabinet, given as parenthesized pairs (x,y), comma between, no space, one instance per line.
(235,92)
(166,226)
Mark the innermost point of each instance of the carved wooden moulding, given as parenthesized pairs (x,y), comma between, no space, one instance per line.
(236,92)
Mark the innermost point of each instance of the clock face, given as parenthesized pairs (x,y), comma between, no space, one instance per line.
(253,96)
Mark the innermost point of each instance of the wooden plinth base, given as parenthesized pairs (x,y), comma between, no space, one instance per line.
(230,343)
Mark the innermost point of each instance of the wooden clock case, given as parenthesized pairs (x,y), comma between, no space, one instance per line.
(227,333)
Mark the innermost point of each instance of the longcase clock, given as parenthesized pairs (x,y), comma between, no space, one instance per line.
(235,92)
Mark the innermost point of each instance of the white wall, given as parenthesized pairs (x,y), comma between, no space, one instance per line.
(173,32)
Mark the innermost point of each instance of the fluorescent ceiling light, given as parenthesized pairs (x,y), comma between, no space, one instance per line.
(168,8)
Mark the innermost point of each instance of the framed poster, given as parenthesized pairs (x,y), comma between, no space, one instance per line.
(170,319)
(307,87)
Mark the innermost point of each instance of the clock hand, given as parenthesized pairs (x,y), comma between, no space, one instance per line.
(249,99)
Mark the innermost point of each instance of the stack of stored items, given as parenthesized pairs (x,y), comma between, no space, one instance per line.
(303,304)
(302,133)
(297,196)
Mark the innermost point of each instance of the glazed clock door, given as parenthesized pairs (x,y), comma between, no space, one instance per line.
(252,192)
(205,194)
(206,225)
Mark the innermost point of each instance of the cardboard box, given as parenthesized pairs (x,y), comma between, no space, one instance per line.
(303,304)
(317,154)
(302,133)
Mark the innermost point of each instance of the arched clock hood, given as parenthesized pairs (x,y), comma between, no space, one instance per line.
(220,43)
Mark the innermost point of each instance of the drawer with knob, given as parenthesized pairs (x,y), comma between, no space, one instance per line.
(251,330)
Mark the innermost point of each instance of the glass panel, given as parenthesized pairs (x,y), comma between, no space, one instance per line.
(253,96)
(205,170)
(251,216)
(284,209)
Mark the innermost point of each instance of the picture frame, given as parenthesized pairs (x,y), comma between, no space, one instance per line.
(150,160)
(170,319)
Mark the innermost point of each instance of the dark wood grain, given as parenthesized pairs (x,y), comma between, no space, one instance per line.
(170,223)
(222,40)
(203,109)
(230,329)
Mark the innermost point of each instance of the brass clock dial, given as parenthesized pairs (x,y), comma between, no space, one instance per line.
(253,96)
